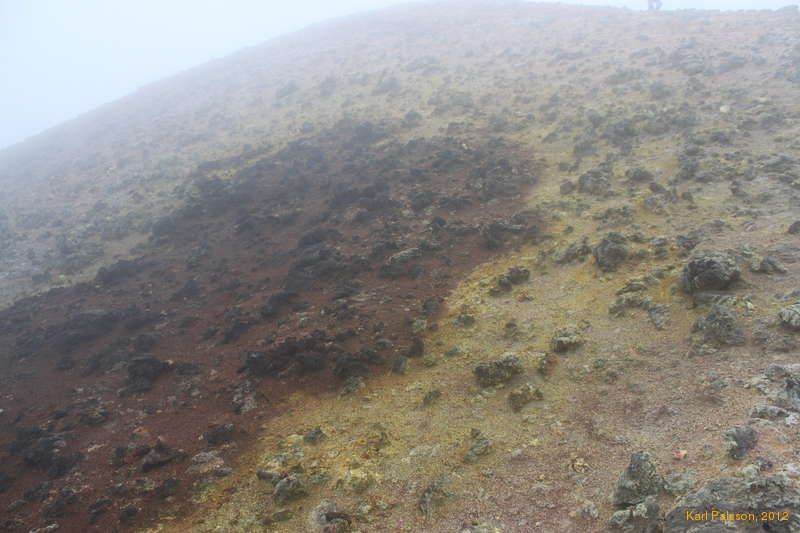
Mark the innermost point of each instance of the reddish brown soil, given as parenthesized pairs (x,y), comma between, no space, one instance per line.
(36,394)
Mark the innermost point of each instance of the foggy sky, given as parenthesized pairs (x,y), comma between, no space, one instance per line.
(61,58)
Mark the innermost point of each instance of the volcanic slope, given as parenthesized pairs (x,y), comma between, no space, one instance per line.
(446,267)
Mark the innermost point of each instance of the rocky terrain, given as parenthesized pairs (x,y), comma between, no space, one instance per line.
(477,267)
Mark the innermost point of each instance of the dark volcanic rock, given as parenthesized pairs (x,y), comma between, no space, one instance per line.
(576,251)
(434,495)
(659,315)
(416,349)
(5,482)
(219,435)
(499,371)
(57,506)
(144,342)
(522,396)
(479,446)
(42,450)
(143,372)
(396,265)
(720,326)
(639,480)
(566,339)
(740,440)
(86,326)
(168,488)
(36,446)
(789,396)
(236,323)
(136,318)
(318,262)
(38,493)
(431,397)
(786,252)
(326,518)
(514,276)
(501,285)
(709,270)
(639,175)
(119,271)
(594,182)
(317,236)
(400,364)
(611,252)
(301,356)
(347,365)
(62,464)
(775,492)
(498,232)
(159,455)
(768,412)
(98,508)
(270,476)
(290,488)
(314,435)
(93,413)
(790,316)
(188,290)
(769,265)
(518,275)
(128,513)
(643,517)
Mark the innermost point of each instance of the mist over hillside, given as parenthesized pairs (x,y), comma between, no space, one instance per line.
(458,266)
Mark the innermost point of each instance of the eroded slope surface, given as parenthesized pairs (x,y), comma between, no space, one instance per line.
(503,267)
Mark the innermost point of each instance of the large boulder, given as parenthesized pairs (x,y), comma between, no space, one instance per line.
(639,480)
(611,252)
(709,270)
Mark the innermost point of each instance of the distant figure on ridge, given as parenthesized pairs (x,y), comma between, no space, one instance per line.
(653,5)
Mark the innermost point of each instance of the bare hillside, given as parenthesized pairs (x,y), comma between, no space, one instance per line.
(459,266)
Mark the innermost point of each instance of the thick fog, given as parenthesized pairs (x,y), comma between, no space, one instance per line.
(60,59)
